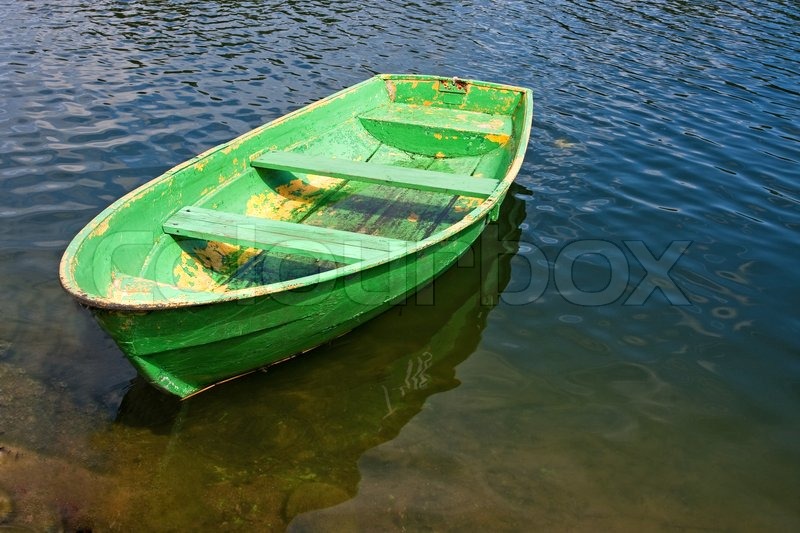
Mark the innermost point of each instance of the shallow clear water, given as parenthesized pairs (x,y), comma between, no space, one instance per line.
(579,400)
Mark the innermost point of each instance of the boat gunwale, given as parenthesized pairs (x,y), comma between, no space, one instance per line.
(196,299)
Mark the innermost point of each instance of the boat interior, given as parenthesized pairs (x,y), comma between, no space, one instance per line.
(383,164)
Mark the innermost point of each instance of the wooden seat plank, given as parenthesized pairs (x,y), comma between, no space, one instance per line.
(410,178)
(278,236)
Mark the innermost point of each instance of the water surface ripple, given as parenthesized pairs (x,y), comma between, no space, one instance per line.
(655,122)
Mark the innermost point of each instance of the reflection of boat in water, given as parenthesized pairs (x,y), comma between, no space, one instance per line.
(272,445)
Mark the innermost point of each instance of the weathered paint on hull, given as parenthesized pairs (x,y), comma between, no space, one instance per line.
(186,350)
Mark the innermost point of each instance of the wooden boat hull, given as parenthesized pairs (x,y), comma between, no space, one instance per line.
(183,351)
(264,247)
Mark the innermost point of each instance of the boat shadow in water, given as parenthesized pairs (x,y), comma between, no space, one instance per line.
(264,448)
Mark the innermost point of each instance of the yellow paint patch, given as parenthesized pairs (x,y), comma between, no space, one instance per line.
(190,274)
(290,200)
(497,138)
(215,255)
(100,229)
(440,155)
(313,187)
(465,204)
(438,136)
(231,147)
(133,288)
(264,204)
(200,165)
(117,291)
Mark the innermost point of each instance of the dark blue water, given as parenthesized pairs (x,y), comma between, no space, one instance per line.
(622,354)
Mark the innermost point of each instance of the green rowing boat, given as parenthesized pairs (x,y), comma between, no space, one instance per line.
(300,230)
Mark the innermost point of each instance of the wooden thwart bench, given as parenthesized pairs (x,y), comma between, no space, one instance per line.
(409,178)
(278,236)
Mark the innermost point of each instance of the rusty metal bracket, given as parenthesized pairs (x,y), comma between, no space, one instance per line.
(454,85)
(454,91)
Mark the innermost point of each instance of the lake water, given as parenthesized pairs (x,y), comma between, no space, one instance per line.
(655,385)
